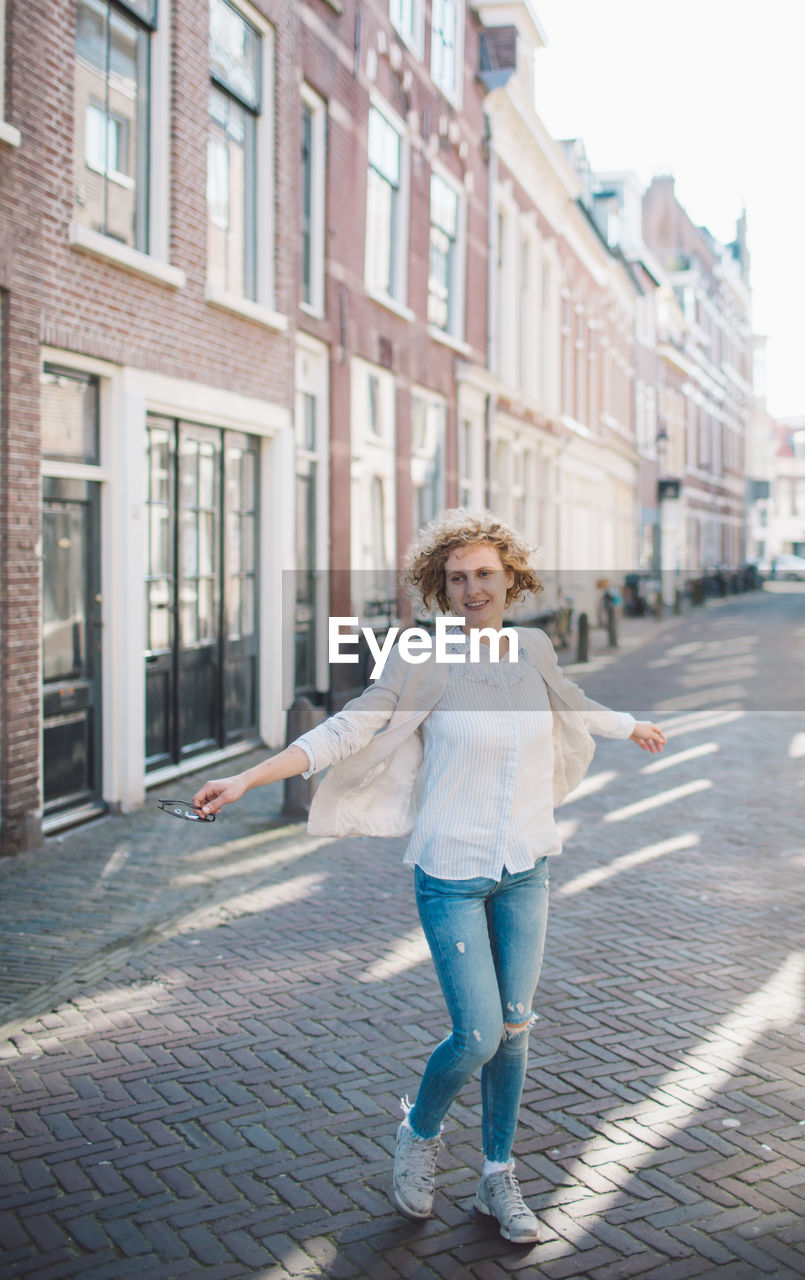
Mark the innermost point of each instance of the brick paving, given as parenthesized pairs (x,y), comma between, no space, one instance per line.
(208,1030)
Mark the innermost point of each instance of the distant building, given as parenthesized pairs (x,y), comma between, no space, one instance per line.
(711,284)
(787,519)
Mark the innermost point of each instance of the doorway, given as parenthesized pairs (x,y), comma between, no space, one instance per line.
(201,661)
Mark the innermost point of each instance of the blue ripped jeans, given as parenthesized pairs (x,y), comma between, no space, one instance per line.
(486,938)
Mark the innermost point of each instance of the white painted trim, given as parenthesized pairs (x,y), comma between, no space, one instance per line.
(416,40)
(318,184)
(316,381)
(447,340)
(159,202)
(10,135)
(72,360)
(213,406)
(459,283)
(245,307)
(84,240)
(457,96)
(401,254)
(73,470)
(391,304)
(265,146)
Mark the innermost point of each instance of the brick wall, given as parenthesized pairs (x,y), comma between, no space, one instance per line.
(65,298)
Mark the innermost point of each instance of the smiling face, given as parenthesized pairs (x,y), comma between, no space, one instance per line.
(476,584)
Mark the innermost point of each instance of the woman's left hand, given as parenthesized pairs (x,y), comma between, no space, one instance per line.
(648,736)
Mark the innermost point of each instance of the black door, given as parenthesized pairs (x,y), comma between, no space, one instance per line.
(71,644)
(201,658)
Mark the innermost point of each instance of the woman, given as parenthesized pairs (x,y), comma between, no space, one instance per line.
(472,758)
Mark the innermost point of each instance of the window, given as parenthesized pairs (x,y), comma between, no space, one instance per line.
(443,272)
(234,108)
(374,474)
(112,109)
(383,207)
(444,42)
(407,17)
(506,305)
(314,129)
(428,419)
(70,415)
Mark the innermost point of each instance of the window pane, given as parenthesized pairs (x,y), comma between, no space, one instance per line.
(189,545)
(63,602)
(247,541)
(231,186)
(111,111)
(207,477)
(248,498)
(69,404)
(247,607)
(160,466)
(159,615)
(235,52)
(379,233)
(443,206)
(189,613)
(189,473)
(384,147)
(307,201)
(206,543)
(160,557)
(206,622)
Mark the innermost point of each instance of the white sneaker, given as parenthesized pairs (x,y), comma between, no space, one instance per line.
(500,1197)
(415,1171)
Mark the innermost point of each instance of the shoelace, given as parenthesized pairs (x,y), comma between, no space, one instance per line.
(422,1159)
(512,1190)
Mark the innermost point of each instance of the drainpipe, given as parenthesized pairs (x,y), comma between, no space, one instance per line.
(491,309)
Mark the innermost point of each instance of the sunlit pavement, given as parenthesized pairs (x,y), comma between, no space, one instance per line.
(208,1030)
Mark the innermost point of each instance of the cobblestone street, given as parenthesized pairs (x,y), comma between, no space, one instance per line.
(208,1029)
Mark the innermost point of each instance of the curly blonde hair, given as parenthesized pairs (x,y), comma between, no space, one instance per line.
(423,567)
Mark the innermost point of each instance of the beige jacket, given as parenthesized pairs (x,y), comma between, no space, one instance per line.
(371,788)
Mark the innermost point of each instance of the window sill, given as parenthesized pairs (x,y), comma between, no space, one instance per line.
(385,300)
(141,264)
(238,306)
(317,313)
(447,340)
(10,135)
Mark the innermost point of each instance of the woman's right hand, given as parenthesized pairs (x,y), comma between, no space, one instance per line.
(220,791)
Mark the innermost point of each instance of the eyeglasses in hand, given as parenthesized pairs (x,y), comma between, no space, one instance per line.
(183,809)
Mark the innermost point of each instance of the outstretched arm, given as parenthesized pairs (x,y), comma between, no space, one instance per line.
(341,735)
(648,736)
(220,791)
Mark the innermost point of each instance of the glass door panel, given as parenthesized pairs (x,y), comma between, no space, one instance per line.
(71,643)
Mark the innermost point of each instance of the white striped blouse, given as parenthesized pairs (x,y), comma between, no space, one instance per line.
(486,780)
(487,775)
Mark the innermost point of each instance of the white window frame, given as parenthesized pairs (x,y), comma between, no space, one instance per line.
(318,198)
(529,301)
(433,446)
(263,307)
(155,264)
(395,301)
(454,93)
(458,279)
(312,377)
(8,133)
(372,458)
(504,301)
(415,37)
(471,462)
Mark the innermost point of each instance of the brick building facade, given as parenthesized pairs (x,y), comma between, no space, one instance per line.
(131,608)
(278,282)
